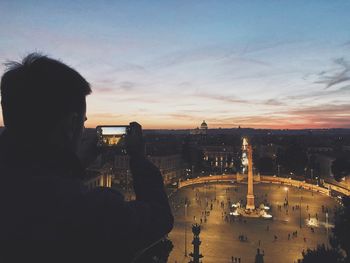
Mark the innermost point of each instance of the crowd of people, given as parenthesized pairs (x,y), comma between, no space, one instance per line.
(221,203)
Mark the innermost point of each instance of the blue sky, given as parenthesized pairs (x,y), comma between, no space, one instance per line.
(171,64)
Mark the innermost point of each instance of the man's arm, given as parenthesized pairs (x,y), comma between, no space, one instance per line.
(150,194)
(151,199)
(131,226)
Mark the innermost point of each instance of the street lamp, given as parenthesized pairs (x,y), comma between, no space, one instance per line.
(300,207)
(185,229)
(327,225)
(312,183)
(127,184)
(286,189)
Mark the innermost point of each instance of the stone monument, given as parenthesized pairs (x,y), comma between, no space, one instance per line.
(196,229)
(250,194)
(249,210)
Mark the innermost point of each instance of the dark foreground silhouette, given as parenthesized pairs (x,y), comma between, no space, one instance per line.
(46,214)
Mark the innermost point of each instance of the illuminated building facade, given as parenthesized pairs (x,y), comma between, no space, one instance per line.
(200,131)
(100,180)
(220,157)
(171,167)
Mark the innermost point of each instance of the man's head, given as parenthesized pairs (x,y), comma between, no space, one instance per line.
(42,97)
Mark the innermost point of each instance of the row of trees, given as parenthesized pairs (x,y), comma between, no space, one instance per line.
(341,166)
(292,158)
(339,249)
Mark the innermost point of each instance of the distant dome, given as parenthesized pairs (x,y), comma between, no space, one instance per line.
(204,126)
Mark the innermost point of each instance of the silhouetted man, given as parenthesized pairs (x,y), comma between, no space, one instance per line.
(46,214)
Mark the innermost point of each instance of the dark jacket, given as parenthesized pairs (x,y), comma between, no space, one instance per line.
(46,210)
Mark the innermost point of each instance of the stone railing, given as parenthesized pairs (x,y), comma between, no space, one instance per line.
(337,188)
(208,179)
(325,189)
(295,183)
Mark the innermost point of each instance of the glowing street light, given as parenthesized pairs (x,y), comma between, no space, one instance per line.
(286,189)
(327,223)
(300,207)
(185,229)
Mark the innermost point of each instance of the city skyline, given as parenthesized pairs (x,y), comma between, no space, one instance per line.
(173,64)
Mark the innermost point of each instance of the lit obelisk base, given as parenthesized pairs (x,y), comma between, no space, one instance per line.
(249,210)
(250,195)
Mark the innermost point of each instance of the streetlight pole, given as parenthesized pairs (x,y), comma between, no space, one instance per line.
(127,184)
(185,229)
(327,223)
(286,188)
(312,184)
(300,210)
(221,162)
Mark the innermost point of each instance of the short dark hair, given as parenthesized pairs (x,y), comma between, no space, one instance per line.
(38,92)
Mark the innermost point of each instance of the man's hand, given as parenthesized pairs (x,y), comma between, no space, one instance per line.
(135,145)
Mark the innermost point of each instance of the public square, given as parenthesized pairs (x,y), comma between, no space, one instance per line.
(220,231)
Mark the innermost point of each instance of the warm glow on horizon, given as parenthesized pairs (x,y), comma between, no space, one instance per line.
(170,66)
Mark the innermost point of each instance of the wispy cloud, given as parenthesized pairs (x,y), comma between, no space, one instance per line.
(222,98)
(235,99)
(215,54)
(338,77)
(127,85)
(321,93)
(329,110)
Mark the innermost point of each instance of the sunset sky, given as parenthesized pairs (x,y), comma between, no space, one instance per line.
(173,64)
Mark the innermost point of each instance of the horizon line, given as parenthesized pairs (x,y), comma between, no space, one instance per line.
(231,128)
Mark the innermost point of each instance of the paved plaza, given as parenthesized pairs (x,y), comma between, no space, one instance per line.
(220,234)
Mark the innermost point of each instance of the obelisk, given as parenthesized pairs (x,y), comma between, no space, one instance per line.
(250,194)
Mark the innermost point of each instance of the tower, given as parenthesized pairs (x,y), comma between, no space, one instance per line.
(250,194)
(204,126)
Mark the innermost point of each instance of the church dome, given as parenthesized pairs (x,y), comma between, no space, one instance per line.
(204,126)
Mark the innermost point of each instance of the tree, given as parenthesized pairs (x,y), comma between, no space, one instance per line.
(340,240)
(193,156)
(293,158)
(322,254)
(265,165)
(314,166)
(341,167)
(341,230)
